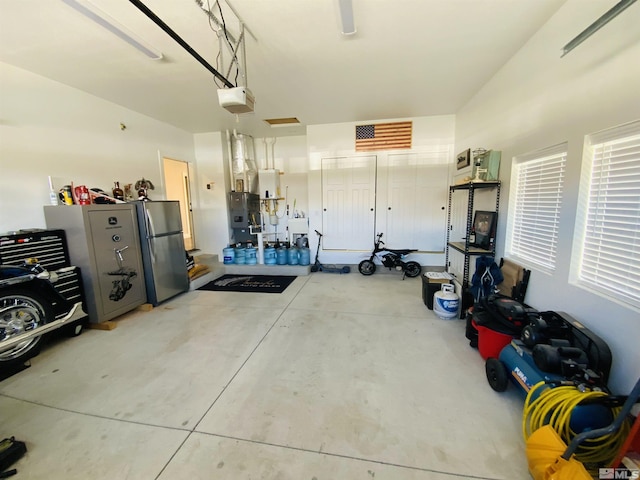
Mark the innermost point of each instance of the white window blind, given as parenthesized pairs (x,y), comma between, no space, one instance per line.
(535,207)
(610,260)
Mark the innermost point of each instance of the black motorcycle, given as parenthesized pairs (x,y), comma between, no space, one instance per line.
(30,307)
(390,259)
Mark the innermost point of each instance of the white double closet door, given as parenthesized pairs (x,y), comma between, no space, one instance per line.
(402,195)
(348,202)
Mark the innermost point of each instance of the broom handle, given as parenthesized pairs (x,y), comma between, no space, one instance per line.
(617,423)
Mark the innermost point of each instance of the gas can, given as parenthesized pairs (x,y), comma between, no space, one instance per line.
(446,302)
(82,195)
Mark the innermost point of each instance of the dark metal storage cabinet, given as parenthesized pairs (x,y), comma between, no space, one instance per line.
(104,242)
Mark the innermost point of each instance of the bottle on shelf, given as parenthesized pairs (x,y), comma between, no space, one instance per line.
(53,196)
(118,193)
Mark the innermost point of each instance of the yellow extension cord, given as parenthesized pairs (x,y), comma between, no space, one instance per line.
(554,407)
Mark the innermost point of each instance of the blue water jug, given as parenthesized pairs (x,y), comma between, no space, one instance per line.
(251,257)
(281,256)
(240,256)
(228,255)
(293,256)
(305,256)
(270,256)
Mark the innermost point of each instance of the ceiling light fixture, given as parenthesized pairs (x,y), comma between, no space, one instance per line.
(346,17)
(104,20)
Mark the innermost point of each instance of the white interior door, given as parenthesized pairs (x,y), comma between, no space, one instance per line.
(416,201)
(348,202)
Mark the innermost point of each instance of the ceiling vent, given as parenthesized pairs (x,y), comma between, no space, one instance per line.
(283,122)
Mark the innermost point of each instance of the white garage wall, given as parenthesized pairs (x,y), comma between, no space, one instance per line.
(298,157)
(47,128)
(538,100)
(210,217)
(338,140)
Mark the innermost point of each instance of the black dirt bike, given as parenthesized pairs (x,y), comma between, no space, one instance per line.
(390,259)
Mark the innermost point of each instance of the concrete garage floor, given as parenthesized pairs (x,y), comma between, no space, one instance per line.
(339,377)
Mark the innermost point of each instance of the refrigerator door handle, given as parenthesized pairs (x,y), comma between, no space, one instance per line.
(152,250)
(151,232)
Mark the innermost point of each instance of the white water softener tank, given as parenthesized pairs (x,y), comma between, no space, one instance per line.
(446,302)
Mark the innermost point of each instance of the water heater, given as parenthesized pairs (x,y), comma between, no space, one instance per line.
(269,181)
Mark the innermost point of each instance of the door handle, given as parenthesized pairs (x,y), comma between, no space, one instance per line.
(118,252)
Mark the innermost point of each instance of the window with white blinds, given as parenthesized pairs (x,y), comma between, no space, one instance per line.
(534,211)
(610,252)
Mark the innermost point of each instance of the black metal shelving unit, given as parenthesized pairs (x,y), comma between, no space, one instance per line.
(463,247)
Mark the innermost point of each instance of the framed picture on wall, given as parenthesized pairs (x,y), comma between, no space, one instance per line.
(463,159)
(484,227)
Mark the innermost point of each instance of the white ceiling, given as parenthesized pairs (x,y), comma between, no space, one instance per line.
(409,58)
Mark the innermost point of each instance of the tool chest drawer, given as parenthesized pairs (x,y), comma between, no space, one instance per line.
(48,246)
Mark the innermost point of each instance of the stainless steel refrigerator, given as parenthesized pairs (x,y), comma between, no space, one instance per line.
(162,247)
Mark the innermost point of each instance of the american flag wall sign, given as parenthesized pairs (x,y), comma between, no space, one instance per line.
(383,136)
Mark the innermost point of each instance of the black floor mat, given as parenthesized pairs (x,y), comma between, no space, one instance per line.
(250,283)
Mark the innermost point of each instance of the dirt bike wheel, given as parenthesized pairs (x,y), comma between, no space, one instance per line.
(367,267)
(20,311)
(412,269)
